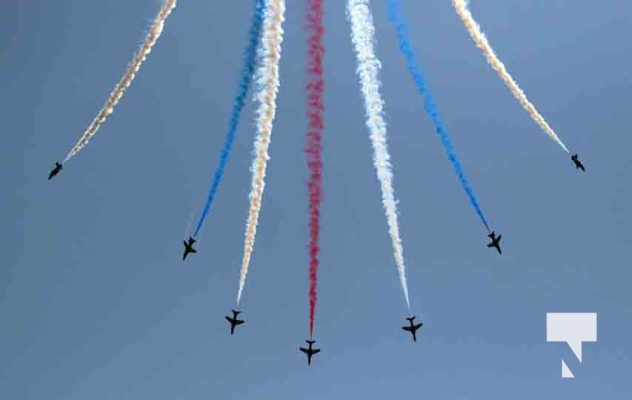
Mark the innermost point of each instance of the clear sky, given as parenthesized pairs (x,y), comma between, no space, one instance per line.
(95,302)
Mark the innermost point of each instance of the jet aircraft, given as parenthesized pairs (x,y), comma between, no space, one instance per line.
(188,248)
(578,164)
(309,351)
(54,171)
(413,327)
(234,321)
(495,241)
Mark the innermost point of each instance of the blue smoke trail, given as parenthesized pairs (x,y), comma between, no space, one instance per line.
(396,18)
(240,100)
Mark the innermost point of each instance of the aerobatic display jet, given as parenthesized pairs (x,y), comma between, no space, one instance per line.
(495,241)
(578,164)
(188,248)
(54,171)
(309,351)
(413,327)
(234,321)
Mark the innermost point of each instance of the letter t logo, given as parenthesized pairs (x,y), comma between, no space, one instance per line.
(574,329)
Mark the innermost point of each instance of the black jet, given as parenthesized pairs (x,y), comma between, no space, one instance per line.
(55,171)
(309,351)
(234,321)
(413,327)
(188,248)
(495,241)
(578,164)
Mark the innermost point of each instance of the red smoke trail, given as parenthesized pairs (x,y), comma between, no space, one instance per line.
(313,150)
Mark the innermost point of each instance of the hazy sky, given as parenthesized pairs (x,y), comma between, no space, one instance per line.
(95,302)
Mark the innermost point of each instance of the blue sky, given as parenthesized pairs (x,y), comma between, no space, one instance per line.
(96,303)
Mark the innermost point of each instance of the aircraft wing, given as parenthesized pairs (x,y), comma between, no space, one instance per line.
(417,326)
(304,350)
(228,319)
(407,328)
(239,322)
(314,351)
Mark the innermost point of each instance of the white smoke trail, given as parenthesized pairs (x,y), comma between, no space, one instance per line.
(481,41)
(267,87)
(363,38)
(187,230)
(126,80)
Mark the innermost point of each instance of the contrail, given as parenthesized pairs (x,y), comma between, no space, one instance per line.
(397,19)
(240,100)
(481,41)
(313,150)
(363,38)
(126,80)
(267,87)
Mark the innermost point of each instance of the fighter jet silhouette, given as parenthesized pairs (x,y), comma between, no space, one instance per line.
(578,164)
(234,321)
(55,171)
(188,248)
(495,241)
(413,327)
(309,351)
